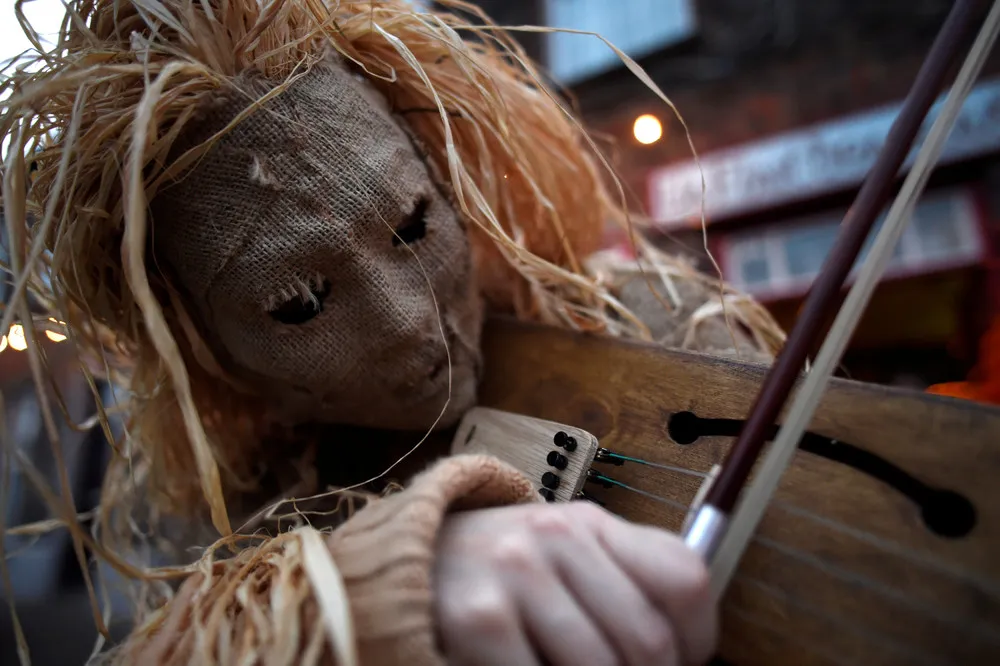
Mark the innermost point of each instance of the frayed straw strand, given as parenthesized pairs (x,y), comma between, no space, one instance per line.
(133,260)
(100,114)
(6,445)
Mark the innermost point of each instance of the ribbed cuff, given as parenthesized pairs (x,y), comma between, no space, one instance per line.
(385,554)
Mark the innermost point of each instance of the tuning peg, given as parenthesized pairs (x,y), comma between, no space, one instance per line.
(564,441)
(557,460)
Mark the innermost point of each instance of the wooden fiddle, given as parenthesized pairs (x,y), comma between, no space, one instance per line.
(875,542)
(882,544)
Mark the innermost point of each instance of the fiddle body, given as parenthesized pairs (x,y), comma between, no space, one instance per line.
(882,544)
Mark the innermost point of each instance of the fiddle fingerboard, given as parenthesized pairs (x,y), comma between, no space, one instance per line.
(555,457)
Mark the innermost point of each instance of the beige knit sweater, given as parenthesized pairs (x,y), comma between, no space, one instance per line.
(385,555)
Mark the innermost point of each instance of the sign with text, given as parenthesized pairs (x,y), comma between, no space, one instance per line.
(816,160)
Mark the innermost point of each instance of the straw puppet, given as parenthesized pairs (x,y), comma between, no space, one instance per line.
(254,216)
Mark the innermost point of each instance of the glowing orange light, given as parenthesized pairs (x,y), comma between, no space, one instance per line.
(15,337)
(647,129)
(983,384)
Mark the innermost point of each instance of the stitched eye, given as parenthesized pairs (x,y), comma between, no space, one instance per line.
(414,227)
(300,308)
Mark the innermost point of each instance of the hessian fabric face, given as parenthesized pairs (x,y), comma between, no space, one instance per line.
(323,263)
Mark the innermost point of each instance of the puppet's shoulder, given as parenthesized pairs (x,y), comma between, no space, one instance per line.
(686,308)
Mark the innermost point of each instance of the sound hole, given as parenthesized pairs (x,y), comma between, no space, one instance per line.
(944,512)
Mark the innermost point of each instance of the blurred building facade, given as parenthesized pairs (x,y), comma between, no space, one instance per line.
(787,104)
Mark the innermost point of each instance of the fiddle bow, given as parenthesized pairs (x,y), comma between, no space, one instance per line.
(867,532)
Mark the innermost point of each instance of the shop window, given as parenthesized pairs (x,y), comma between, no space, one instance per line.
(755,268)
(806,248)
(938,237)
(777,261)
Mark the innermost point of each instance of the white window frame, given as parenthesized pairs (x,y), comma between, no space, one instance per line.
(737,247)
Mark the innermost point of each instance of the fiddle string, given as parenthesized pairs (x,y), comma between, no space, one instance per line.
(670,468)
(600,478)
(959,623)
(965,624)
(989,586)
(976,626)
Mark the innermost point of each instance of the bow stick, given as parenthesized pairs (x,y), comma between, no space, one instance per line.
(719,533)
(807,399)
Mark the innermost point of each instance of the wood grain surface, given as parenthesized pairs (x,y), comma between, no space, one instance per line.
(526,444)
(844,569)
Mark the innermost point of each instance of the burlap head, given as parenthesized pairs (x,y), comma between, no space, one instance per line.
(282,240)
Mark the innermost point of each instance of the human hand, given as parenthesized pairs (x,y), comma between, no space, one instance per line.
(569,585)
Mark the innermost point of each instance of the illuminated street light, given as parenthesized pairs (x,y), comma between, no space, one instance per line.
(647,129)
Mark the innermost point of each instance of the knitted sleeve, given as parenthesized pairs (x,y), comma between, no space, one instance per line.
(262,604)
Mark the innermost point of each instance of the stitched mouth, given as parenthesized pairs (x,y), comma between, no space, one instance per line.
(441,367)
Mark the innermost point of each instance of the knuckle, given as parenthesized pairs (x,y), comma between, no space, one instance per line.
(597,652)
(590,646)
(483,610)
(551,521)
(698,585)
(516,552)
(656,643)
(589,513)
(692,580)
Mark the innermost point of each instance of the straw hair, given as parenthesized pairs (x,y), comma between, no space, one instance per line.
(292,610)
(91,124)
(95,119)
(91,129)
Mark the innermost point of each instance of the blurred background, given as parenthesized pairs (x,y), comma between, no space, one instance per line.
(787,102)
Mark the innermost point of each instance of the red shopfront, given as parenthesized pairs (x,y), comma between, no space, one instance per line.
(773,209)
